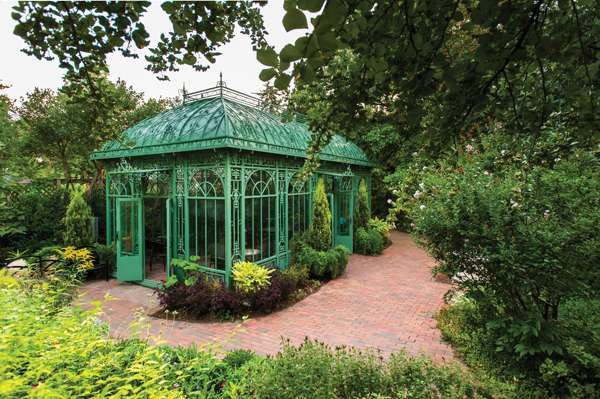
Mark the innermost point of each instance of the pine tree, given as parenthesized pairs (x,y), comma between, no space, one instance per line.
(362,213)
(320,227)
(78,220)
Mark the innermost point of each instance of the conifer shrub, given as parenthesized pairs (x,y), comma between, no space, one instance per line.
(370,235)
(78,220)
(362,213)
(320,227)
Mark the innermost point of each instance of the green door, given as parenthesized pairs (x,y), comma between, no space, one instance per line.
(130,240)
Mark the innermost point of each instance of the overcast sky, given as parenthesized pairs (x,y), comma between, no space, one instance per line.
(237,62)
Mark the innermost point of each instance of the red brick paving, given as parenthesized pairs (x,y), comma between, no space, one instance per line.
(385,302)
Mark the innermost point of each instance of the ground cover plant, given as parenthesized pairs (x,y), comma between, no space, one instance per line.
(66,352)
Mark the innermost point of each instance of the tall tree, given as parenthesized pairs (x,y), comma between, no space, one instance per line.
(63,128)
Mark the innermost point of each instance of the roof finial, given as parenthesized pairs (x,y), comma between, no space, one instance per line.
(221,83)
(183,93)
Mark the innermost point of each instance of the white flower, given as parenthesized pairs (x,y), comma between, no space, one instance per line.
(500,27)
(417,194)
(503,152)
(412,225)
(469,148)
(422,207)
(39,159)
(547,214)
(414,154)
(389,201)
(485,172)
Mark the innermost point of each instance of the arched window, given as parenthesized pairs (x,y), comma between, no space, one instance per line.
(298,206)
(206,210)
(260,211)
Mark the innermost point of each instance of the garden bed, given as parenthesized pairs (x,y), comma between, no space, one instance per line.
(184,314)
(258,291)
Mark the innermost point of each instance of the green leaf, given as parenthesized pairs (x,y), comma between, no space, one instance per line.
(310,5)
(189,59)
(328,41)
(282,81)
(290,53)
(139,37)
(267,74)
(294,19)
(301,43)
(267,56)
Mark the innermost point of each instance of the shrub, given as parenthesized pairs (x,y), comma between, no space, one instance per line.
(362,213)
(313,370)
(78,220)
(238,357)
(368,241)
(572,371)
(319,231)
(323,264)
(520,244)
(250,277)
(67,354)
(31,216)
(382,226)
(106,255)
(6,280)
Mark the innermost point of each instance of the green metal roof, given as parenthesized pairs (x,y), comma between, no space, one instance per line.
(220,122)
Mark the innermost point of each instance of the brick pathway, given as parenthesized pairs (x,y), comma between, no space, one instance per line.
(384,302)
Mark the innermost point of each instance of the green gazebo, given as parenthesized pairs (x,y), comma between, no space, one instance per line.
(215,180)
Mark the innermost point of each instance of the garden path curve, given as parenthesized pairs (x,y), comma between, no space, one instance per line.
(385,302)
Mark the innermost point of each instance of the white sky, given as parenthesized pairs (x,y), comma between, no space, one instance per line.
(237,61)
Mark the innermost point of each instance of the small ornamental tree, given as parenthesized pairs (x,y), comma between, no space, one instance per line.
(362,213)
(78,220)
(320,226)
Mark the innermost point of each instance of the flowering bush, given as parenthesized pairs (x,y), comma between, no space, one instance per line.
(80,260)
(517,231)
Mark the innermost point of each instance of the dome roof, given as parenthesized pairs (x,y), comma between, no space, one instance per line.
(220,122)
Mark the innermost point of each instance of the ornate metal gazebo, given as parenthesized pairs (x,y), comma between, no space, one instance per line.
(214,180)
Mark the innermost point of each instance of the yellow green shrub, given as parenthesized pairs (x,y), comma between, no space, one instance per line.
(250,277)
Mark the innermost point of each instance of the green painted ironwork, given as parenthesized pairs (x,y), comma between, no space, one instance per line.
(219,122)
(225,205)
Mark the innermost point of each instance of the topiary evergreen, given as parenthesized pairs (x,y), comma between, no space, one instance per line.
(78,220)
(320,226)
(362,213)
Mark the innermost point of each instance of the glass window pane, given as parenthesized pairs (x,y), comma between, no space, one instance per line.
(128,228)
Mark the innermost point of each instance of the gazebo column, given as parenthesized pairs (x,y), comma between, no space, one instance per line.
(228,222)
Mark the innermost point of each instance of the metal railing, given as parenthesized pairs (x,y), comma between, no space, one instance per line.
(222,91)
